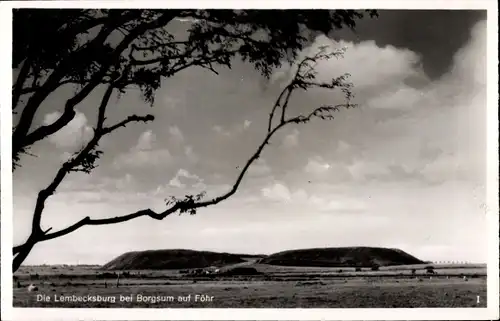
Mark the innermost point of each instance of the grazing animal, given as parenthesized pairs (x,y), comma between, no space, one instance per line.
(32,288)
(465,278)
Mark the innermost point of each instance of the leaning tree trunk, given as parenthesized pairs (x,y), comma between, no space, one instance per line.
(22,255)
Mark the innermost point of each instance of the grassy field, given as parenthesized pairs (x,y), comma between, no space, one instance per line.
(25,272)
(347,293)
(277,287)
(405,270)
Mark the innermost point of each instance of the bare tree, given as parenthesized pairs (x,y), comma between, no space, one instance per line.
(127,48)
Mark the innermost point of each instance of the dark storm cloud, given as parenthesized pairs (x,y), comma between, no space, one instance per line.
(426,32)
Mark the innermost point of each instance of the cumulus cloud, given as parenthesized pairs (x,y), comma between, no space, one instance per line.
(409,127)
(292,139)
(184,178)
(280,192)
(316,166)
(445,167)
(259,168)
(74,134)
(144,153)
(401,97)
(175,182)
(369,65)
(190,154)
(219,130)
(124,182)
(364,169)
(140,158)
(343,205)
(469,62)
(238,128)
(343,146)
(454,114)
(146,140)
(171,102)
(277,192)
(176,134)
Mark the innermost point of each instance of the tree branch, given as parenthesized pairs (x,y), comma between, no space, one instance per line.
(189,204)
(18,248)
(323,112)
(32,89)
(112,220)
(275,106)
(285,104)
(129,119)
(21,78)
(67,167)
(152,61)
(177,206)
(156,47)
(240,177)
(85,25)
(21,138)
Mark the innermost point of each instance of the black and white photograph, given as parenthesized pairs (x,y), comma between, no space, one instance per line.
(271,158)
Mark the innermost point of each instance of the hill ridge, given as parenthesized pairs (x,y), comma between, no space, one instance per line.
(172,259)
(357,256)
(354,256)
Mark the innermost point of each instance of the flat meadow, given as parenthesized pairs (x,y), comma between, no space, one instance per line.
(276,287)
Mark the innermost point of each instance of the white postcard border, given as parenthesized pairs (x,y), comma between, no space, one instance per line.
(492,210)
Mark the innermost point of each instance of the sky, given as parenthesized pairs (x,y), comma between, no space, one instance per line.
(405,169)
